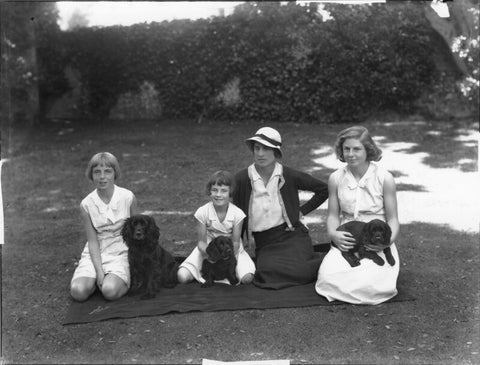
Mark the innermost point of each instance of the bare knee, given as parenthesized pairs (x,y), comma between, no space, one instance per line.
(113,287)
(113,291)
(247,279)
(184,276)
(80,291)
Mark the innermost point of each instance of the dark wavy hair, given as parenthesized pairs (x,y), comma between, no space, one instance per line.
(221,177)
(361,133)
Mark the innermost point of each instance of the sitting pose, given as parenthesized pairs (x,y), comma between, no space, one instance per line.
(360,191)
(267,192)
(219,217)
(104,260)
(151,266)
(221,262)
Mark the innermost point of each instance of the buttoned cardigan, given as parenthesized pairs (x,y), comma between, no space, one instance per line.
(293,181)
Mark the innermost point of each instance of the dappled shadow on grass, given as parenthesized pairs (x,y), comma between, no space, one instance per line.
(445,144)
(411,187)
(434,167)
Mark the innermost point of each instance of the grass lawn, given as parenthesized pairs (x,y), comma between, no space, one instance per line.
(166,165)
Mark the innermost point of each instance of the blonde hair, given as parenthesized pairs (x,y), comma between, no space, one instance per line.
(100,158)
(360,133)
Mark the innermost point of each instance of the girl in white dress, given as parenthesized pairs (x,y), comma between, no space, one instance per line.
(219,217)
(104,260)
(360,191)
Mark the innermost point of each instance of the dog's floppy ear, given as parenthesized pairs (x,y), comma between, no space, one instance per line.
(227,244)
(366,234)
(152,230)
(213,249)
(127,229)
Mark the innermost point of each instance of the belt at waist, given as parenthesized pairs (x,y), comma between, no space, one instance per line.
(281,227)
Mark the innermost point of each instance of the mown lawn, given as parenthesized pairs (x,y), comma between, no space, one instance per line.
(166,164)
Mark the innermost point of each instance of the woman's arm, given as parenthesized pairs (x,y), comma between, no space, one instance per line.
(202,238)
(390,204)
(343,240)
(133,207)
(93,246)
(319,189)
(236,234)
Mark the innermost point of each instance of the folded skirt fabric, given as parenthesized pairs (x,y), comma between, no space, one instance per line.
(285,258)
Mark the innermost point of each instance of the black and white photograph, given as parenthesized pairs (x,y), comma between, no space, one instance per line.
(241,183)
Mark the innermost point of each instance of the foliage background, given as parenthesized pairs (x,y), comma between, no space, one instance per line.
(265,62)
(290,64)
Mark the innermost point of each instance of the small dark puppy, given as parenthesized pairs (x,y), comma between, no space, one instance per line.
(220,251)
(370,237)
(151,266)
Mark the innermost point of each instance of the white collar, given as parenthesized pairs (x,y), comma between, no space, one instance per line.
(254,175)
(212,213)
(107,209)
(353,183)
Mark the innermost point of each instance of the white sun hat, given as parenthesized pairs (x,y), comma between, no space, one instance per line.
(268,137)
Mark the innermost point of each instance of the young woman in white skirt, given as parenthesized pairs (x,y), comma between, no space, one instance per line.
(361,191)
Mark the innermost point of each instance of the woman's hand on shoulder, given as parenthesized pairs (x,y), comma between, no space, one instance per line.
(344,241)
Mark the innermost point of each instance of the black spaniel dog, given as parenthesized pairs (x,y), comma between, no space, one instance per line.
(221,262)
(151,266)
(371,238)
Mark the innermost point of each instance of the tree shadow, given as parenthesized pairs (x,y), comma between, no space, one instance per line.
(445,144)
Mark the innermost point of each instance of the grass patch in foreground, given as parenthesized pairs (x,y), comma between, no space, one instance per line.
(166,164)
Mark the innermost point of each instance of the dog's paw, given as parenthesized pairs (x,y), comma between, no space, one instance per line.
(378,260)
(206,285)
(233,281)
(354,263)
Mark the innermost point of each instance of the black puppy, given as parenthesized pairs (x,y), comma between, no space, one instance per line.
(151,266)
(222,262)
(370,238)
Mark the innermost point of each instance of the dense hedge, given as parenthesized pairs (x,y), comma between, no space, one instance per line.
(289,64)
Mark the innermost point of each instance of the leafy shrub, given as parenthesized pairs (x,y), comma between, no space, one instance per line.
(277,62)
(143,104)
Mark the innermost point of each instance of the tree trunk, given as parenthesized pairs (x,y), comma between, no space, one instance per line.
(459,23)
(33,102)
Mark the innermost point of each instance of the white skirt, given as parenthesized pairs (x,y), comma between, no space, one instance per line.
(194,261)
(367,283)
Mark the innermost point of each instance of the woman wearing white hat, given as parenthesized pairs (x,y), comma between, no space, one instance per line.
(267,192)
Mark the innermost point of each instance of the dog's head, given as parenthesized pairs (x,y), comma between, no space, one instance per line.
(376,235)
(220,248)
(140,231)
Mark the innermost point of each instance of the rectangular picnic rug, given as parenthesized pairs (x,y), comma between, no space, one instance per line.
(191,297)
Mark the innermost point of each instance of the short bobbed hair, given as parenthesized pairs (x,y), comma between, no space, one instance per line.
(221,177)
(103,158)
(360,133)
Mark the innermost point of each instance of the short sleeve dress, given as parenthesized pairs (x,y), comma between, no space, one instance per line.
(207,215)
(107,220)
(367,283)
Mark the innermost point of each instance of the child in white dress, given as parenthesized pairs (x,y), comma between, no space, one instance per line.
(218,217)
(104,260)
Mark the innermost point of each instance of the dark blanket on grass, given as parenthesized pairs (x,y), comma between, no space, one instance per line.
(191,297)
